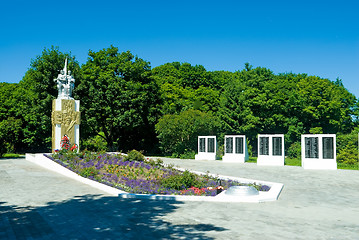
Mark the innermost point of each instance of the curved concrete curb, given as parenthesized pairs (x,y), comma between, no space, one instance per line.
(271,195)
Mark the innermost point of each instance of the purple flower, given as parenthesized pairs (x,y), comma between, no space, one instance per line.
(264,188)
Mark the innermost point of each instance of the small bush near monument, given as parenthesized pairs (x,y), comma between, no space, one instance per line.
(134,156)
(96,143)
(135,174)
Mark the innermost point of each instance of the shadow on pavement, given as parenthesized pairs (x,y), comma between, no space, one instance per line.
(97,217)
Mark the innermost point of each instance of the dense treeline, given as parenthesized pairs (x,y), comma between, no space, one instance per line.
(127,105)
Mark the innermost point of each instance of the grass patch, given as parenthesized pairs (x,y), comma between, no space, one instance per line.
(293,162)
(252,160)
(288,161)
(348,166)
(12,155)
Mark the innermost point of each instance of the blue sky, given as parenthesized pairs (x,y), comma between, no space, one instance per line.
(319,38)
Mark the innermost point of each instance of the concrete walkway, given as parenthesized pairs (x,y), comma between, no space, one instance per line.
(39,204)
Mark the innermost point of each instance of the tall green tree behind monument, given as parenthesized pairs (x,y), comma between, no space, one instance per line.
(119,98)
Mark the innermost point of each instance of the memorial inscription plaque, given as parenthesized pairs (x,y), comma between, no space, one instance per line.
(328,148)
(311,147)
(210,145)
(239,145)
(229,144)
(277,146)
(264,145)
(202,145)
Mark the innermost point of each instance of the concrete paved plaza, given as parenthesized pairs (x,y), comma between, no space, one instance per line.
(39,204)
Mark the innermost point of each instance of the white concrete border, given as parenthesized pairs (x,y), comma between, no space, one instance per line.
(271,195)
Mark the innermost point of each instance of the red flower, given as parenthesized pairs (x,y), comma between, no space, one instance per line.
(74,147)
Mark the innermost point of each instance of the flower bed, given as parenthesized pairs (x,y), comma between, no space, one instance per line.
(135,174)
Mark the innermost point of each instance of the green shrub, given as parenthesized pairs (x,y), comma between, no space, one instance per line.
(249,148)
(178,133)
(220,152)
(347,156)
(157,162)
(294,151)
(95,144)
(183,181)
(65,153)
(134,155)
(347,147)
(189,154)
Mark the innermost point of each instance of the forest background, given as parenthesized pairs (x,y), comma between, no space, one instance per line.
(125,105)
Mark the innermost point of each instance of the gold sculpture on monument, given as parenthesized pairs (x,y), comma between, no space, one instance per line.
(65,115)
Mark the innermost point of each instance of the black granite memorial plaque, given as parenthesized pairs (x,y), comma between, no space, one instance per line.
(311,147)
(202,145)
(210,147)
(229,144)
(277,146)
(239,145)
(263,145)
(328,148)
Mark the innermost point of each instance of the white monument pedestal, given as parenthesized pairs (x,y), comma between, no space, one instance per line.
(207,147)
(319,151)
(65,121)
(235,149)
(271,150)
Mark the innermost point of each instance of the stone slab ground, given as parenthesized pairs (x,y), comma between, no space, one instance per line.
(36,203)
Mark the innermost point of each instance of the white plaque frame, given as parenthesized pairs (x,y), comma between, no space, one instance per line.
(205,155)
(320,162)
(270,159)
(233,156)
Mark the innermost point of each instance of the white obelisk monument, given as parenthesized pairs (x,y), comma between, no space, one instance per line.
(65,115)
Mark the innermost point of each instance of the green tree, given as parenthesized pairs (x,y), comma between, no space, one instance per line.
(178,132)
(257,101)
(246,105)
(119,98)
(326,104)
(183,87)
(11,122)
(10,132)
